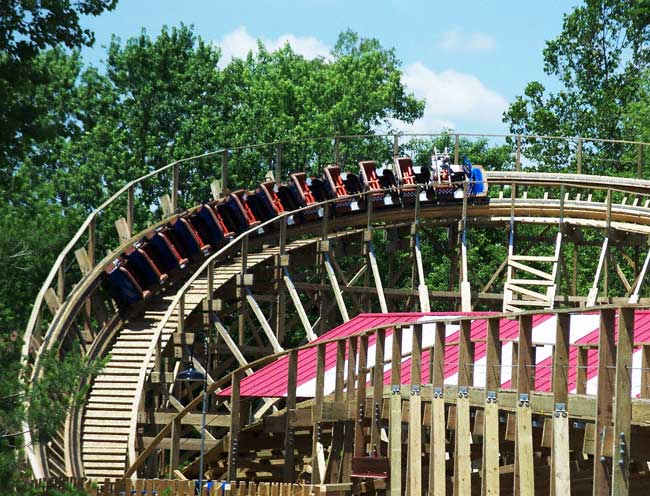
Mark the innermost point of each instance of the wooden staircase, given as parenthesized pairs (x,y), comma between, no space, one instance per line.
(529,287)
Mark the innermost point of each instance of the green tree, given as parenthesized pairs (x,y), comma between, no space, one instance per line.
(598,60)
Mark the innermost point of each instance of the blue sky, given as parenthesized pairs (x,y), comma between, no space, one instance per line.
(468,59)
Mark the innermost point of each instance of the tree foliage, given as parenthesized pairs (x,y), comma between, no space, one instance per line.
(598,61)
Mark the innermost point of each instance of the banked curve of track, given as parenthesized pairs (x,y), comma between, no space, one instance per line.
(132,354)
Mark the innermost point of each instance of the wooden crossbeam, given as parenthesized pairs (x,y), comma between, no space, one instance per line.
(335,287)
(302,314)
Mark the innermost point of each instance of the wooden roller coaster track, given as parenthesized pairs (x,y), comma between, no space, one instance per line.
(272,280)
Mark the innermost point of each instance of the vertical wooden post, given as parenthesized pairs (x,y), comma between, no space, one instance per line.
(175,186)
(604,413)
(524,476)
(350,396)
(415,415)
(318,456)
(456,147)
(224,171)
(180,323)
(581,373)
(242,290)
(130,208)
(289,439)
(395,439)
(645,371)
(233,439)
(360,414)
(332,474)
(560,462)
(463,462)
(437,465)
(623,413)
(377,391)
(174,450)
(639,161)
(491,483)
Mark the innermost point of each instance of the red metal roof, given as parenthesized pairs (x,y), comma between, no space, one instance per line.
(271,380)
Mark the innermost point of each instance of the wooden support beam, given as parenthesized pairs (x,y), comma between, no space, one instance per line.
(623,410)
(437,459)
(560,459)
(289,438)
(335,287)
(634,297)
(491,453)
(302,314)
(524,475)
(423,291)
(317,454)
(234,349)
(645,372)
(360,414)
(395,430)
(463,461)
(415,415)
(233,438)
(333,469)
(266,327)
(174,452)
(350,401)
(377,391)
(377,278)
(604,412)
(166,206)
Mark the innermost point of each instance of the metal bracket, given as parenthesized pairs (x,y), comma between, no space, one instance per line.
(560,410)
(524,399)
(437,392)
(491,397)
(463,392)
(395,389)
(415,390)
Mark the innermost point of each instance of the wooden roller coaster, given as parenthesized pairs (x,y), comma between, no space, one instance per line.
(517,386)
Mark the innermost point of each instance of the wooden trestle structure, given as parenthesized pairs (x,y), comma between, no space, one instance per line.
(280,279)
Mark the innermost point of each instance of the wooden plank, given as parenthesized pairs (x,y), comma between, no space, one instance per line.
(333,471)
(233,438)
(289,438)
(437,463)
(423,291)
(593,292)
(395,429)
(623,409)
(463,462)
(377,278)
(605,392)
(295,298)
(350,396)
(415,415)
(491,453)
(266,327)
(525,384)
(560,460)
(359,434)
(561,475)
(525,457)
(336,289)
(317,469)
(491,447)
(377,391)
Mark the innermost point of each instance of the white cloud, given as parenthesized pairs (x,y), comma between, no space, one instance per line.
(452,97)
(239,42)
(458,41)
